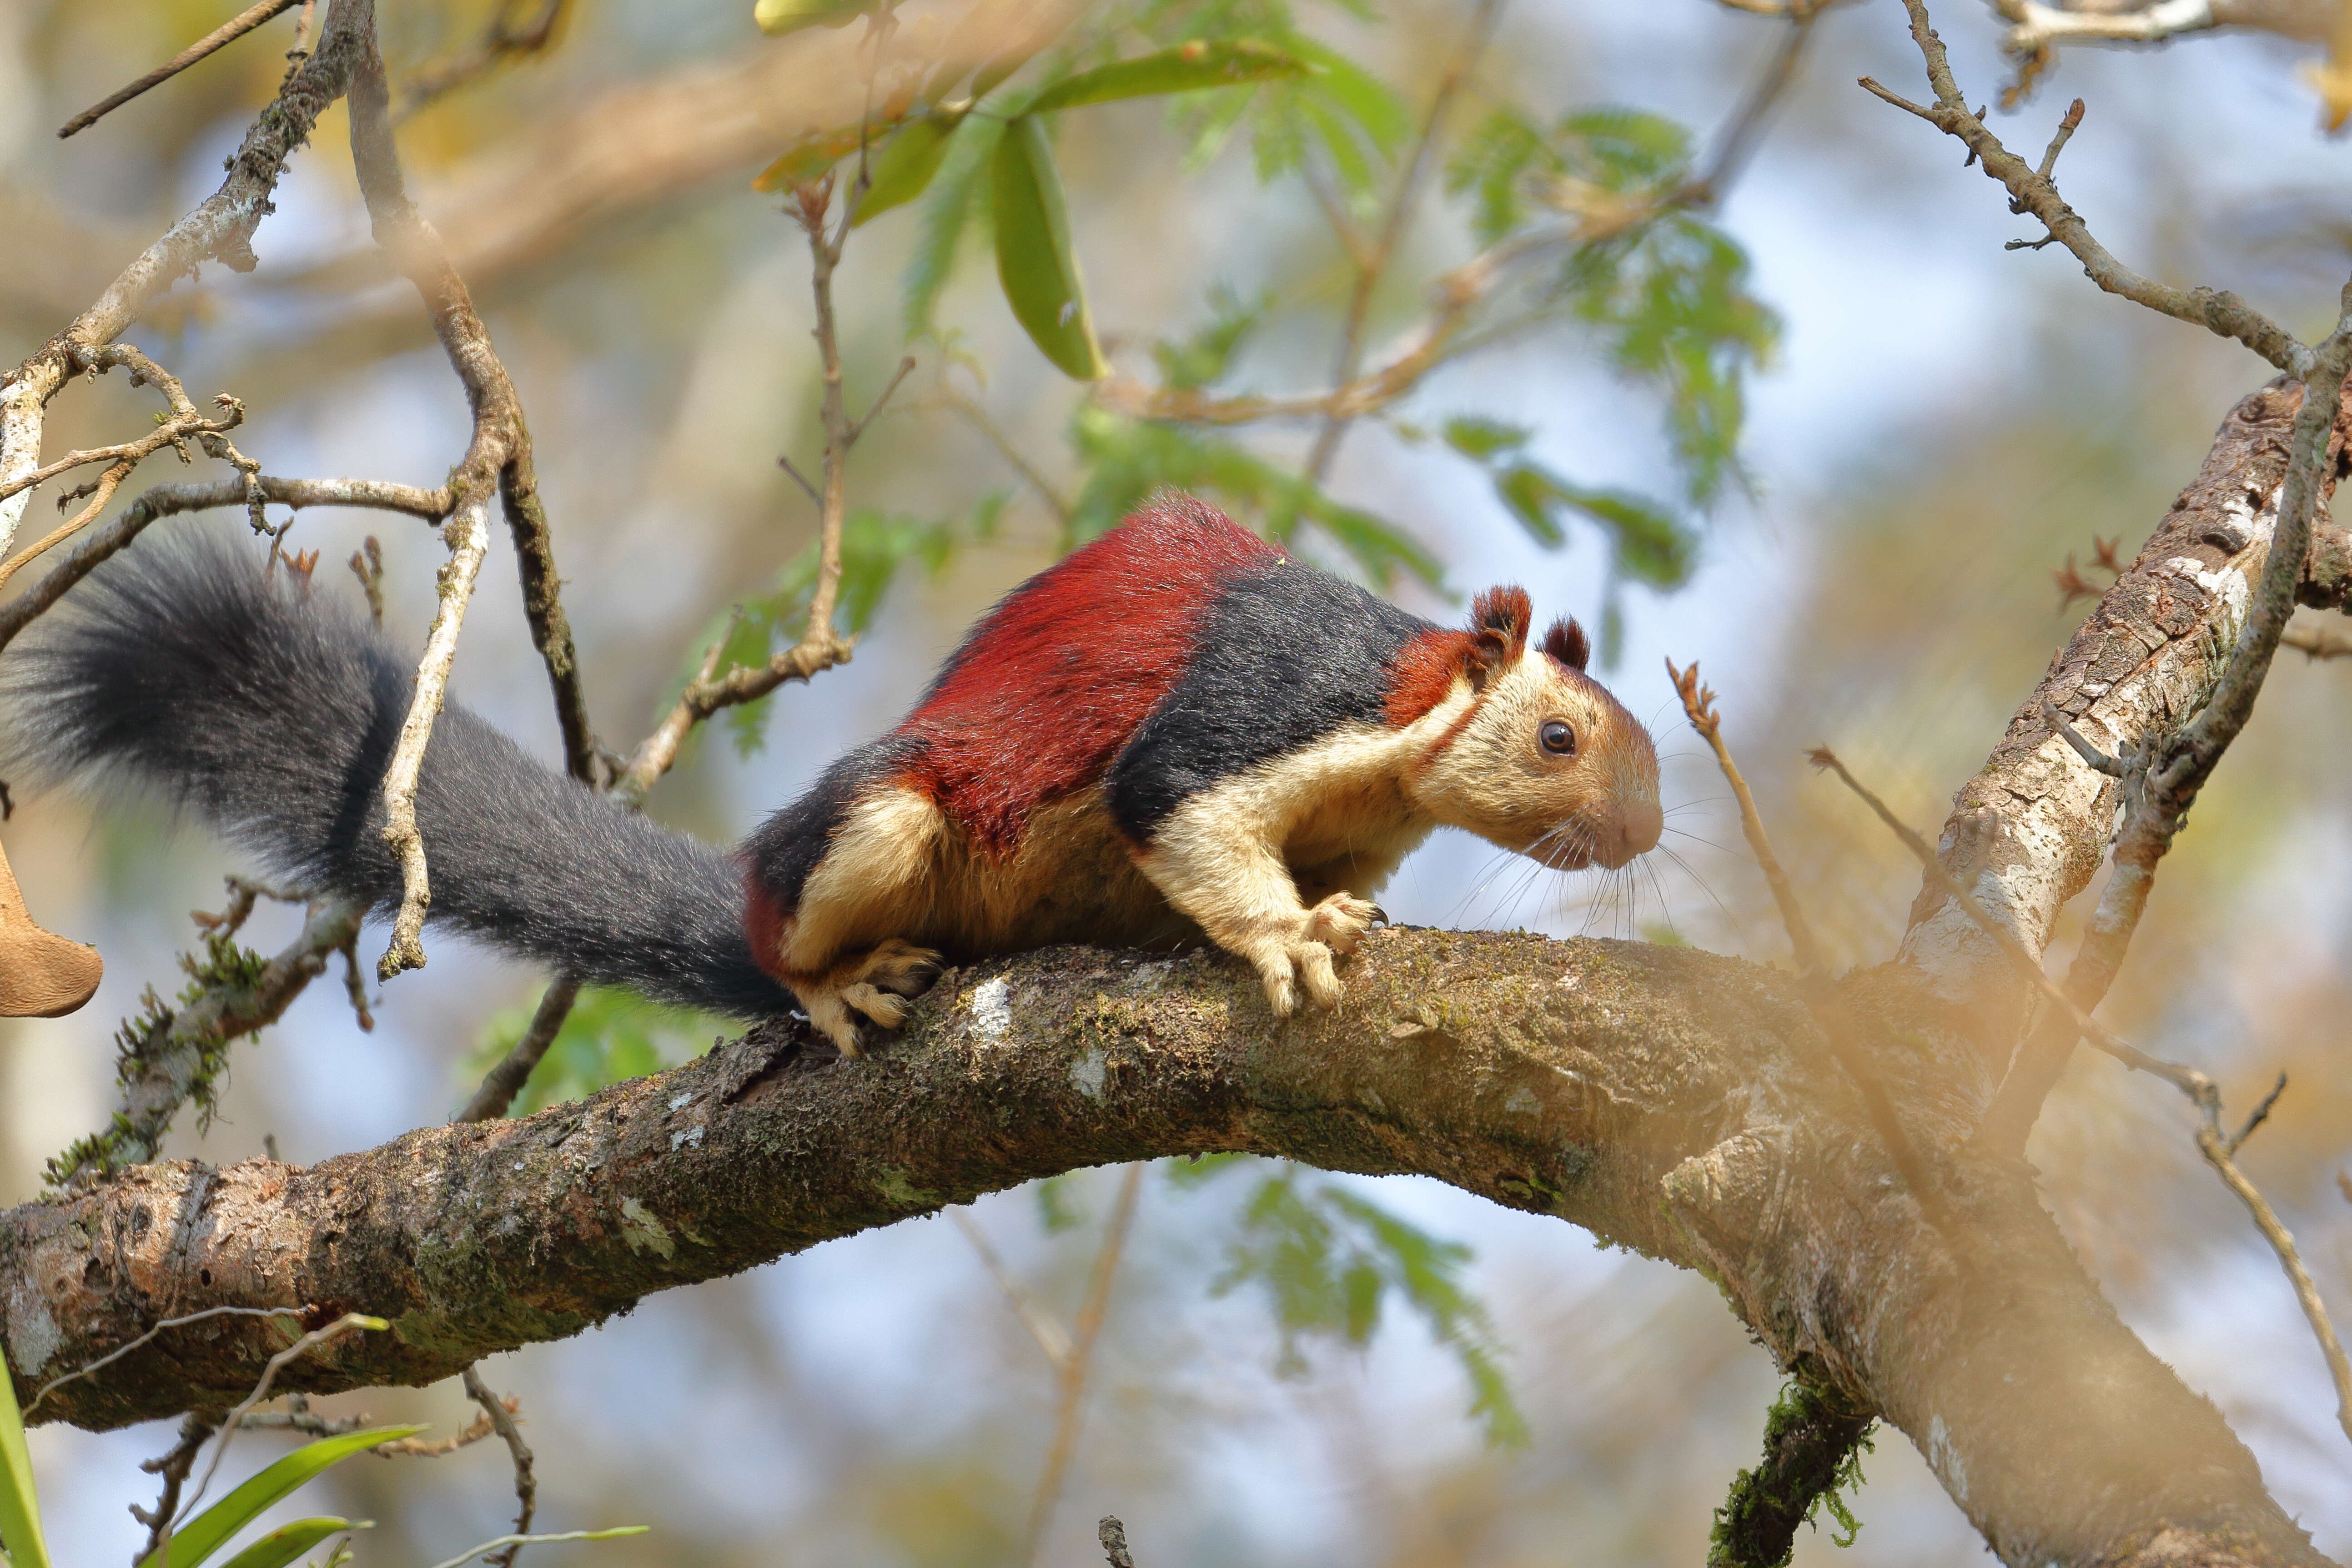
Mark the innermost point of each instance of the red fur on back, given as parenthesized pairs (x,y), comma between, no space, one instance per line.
(1045,691)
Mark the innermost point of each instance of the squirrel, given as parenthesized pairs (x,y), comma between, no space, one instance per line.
(1178,732)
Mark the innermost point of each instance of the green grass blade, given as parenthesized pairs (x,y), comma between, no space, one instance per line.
(1190,68)
(209,1530)
(20,1510)
(288,1542)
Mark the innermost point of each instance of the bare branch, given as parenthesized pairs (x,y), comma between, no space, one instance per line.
(1372,267)
(220,228)
(2029,192)
(510,34)
(1698,705)
(1069,1414)
(498,456)
(228,32)
(502,1418)
(171,1055)
(505,1080)
(2217,1152)
(469,535)
(168,501)
(1650,1073)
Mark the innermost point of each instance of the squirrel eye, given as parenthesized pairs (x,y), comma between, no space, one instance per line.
(1558,738)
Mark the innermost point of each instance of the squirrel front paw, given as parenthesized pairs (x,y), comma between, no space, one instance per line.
(1304,959)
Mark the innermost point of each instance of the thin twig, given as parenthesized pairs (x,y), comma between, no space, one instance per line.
(468,532)
(1051,1337)
(506,1080)
(2066,127)
(1372,265)
(482,1426)
(1839,1025)
(503,1418)
(169,500)
(228,32)
(1070,1415)
(219,228)
(174,1467)
(349,1322)
(996,436)
(2217,1151)
(117,1355)
(1113,1536)
(504,38)
(859,430)
(2031,192)
(1698,703)
(2317,642)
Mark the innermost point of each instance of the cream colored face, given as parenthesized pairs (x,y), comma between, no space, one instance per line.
(1552,766)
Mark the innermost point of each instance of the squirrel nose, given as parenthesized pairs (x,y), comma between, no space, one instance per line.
(1639,822)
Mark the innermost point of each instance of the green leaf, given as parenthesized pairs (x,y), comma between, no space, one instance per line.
(20,1510)
(1057,1210)
(1654,546)
(1202,359)
(1481,439)
(907,165)
(1034,260)
(808,158)
(946,216)
(791,15)
(288,1542)
(1328,1258)
(1188,68)
(209,1530)
(1529,493)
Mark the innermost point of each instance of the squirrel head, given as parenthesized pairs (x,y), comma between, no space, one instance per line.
(1543,760)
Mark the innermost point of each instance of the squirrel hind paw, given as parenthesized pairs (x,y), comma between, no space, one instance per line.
(898,967)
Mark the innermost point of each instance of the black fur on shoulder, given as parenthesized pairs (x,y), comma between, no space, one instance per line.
(1286,655)
(273,712)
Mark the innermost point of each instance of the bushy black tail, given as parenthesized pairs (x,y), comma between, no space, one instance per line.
(273,712)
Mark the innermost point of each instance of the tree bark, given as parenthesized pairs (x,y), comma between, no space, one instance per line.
(1677,1102)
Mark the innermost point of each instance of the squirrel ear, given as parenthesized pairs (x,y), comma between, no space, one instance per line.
(1499,631)
(1566,642)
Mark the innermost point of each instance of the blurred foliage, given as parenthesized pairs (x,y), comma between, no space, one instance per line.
(610,1034)
(1327,1259)
(1664,291)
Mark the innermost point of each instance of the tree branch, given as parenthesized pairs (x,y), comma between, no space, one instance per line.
(218,229)
(2034,191)
(1670,1100)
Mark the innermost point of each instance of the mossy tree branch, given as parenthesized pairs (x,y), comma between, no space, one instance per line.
(1673,1101)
